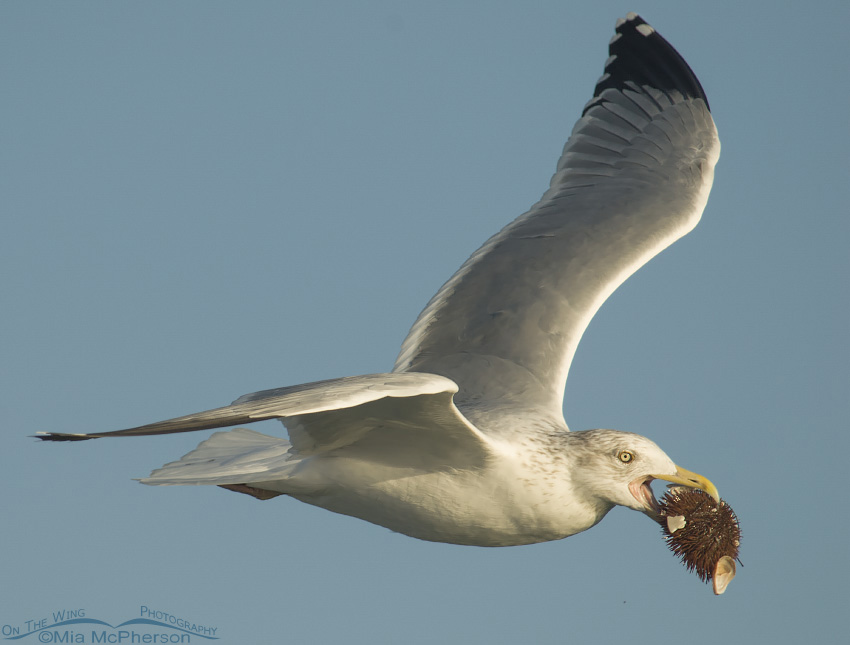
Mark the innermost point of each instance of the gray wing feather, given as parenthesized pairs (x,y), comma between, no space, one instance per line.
(298,400)
(633,178)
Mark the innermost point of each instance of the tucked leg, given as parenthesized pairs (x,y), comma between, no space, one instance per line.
(259,493)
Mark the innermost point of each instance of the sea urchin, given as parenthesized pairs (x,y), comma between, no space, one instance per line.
(704,533)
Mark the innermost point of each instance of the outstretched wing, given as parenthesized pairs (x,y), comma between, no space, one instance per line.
(327,415)
(633,178)
(419,431)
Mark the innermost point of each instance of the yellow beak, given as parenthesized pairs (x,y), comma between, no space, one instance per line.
(691,480)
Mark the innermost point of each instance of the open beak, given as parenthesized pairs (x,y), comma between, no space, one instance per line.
(642,491)
(691,480)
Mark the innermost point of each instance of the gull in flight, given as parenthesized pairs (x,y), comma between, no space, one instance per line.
(464,441)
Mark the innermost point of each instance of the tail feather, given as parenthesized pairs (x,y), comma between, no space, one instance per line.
(238,456)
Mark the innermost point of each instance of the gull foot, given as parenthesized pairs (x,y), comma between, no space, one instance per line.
(259,493)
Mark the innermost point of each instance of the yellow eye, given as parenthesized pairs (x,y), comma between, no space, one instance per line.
(625,456)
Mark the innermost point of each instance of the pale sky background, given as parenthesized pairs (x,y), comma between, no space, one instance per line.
(204,199)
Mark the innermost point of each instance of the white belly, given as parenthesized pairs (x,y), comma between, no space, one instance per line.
(493,507)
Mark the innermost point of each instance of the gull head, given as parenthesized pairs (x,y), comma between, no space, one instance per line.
(617,468)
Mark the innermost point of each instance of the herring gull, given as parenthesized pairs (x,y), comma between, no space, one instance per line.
(464,441)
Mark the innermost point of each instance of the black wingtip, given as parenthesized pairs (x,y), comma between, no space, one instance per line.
(61,436)
(638,54)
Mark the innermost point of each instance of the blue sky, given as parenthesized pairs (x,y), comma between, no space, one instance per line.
(204,199)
